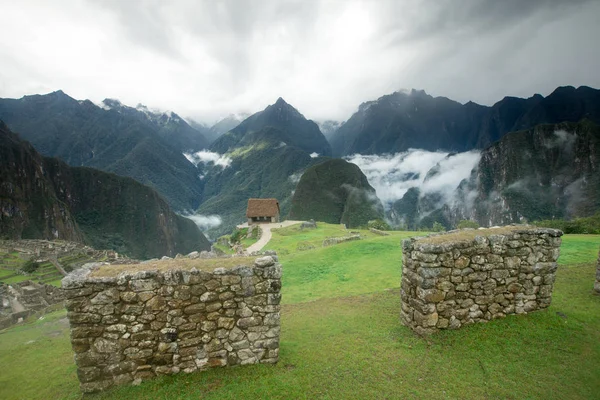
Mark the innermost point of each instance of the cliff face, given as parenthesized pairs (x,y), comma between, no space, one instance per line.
(45,198)
(549,171)
(29,206)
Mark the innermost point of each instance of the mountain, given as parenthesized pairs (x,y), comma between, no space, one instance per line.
(117,139)
(294,130)
(404,120)
(545,172)
(167,125)
(549,171)
(44,198)
(335,191)
(266,155)
(225,125)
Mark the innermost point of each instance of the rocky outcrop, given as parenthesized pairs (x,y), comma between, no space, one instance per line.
(463,277)
(135,326)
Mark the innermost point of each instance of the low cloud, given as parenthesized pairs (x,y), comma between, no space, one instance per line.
(295,177)
(562,139)
(431,171)
(314,155)
(206,222)
(208,157)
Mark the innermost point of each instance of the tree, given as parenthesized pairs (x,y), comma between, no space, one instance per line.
(437,227)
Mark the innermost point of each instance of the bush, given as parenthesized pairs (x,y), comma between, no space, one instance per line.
(30,266)
(586,225)
(379,224)
(465,223)
(437,227)
(238,235)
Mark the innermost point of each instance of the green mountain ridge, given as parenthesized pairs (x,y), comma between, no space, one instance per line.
(335,191)
(44,198)
(121,140)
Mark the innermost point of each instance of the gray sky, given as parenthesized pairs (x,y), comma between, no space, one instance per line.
(206,59)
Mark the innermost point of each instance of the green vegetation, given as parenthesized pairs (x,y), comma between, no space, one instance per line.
(335,191)
(379,224)
(576,226)
(330,341)
(465,223)
(437,227)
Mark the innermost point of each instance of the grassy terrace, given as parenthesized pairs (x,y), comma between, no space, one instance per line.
(341,338)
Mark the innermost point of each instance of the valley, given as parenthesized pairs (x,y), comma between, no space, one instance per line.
(521,160)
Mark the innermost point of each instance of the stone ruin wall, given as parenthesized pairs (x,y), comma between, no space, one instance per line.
(22,299)
(449,284)
(136,326)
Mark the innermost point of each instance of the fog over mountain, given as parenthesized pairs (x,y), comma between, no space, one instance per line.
(431,172)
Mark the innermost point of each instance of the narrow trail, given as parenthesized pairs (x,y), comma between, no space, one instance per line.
(266,234)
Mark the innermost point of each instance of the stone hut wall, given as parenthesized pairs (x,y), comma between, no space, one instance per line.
(448,284)
(137,326)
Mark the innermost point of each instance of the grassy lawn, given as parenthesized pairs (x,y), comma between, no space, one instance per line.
(341,338)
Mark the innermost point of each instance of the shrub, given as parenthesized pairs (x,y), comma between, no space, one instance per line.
(437,227)
(589,225)
(465,223)
(379,224)
(30,266)
(238,234)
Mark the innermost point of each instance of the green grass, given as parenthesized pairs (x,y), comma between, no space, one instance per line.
(341,338)
(578,249)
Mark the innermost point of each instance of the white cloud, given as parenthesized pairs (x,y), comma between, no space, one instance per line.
(314,155)
(392,175)
(208,157)
(205,222)
(295,177)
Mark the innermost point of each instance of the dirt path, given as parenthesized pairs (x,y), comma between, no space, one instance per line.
(266,234)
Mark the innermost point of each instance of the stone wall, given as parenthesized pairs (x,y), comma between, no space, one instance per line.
(597,283)
(20,300)
(464,277)
(337,240)
(139,325)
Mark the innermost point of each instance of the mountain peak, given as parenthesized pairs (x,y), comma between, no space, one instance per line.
(281,102)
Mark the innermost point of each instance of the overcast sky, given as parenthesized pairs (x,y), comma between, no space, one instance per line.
(206,59)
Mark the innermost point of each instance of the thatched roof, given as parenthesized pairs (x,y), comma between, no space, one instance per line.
(262,208)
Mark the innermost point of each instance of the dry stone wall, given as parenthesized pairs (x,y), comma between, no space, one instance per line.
(136,326)
(448,282)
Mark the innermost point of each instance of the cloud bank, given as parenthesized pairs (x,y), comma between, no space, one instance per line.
(431,172)
(206,222)
(208,157)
